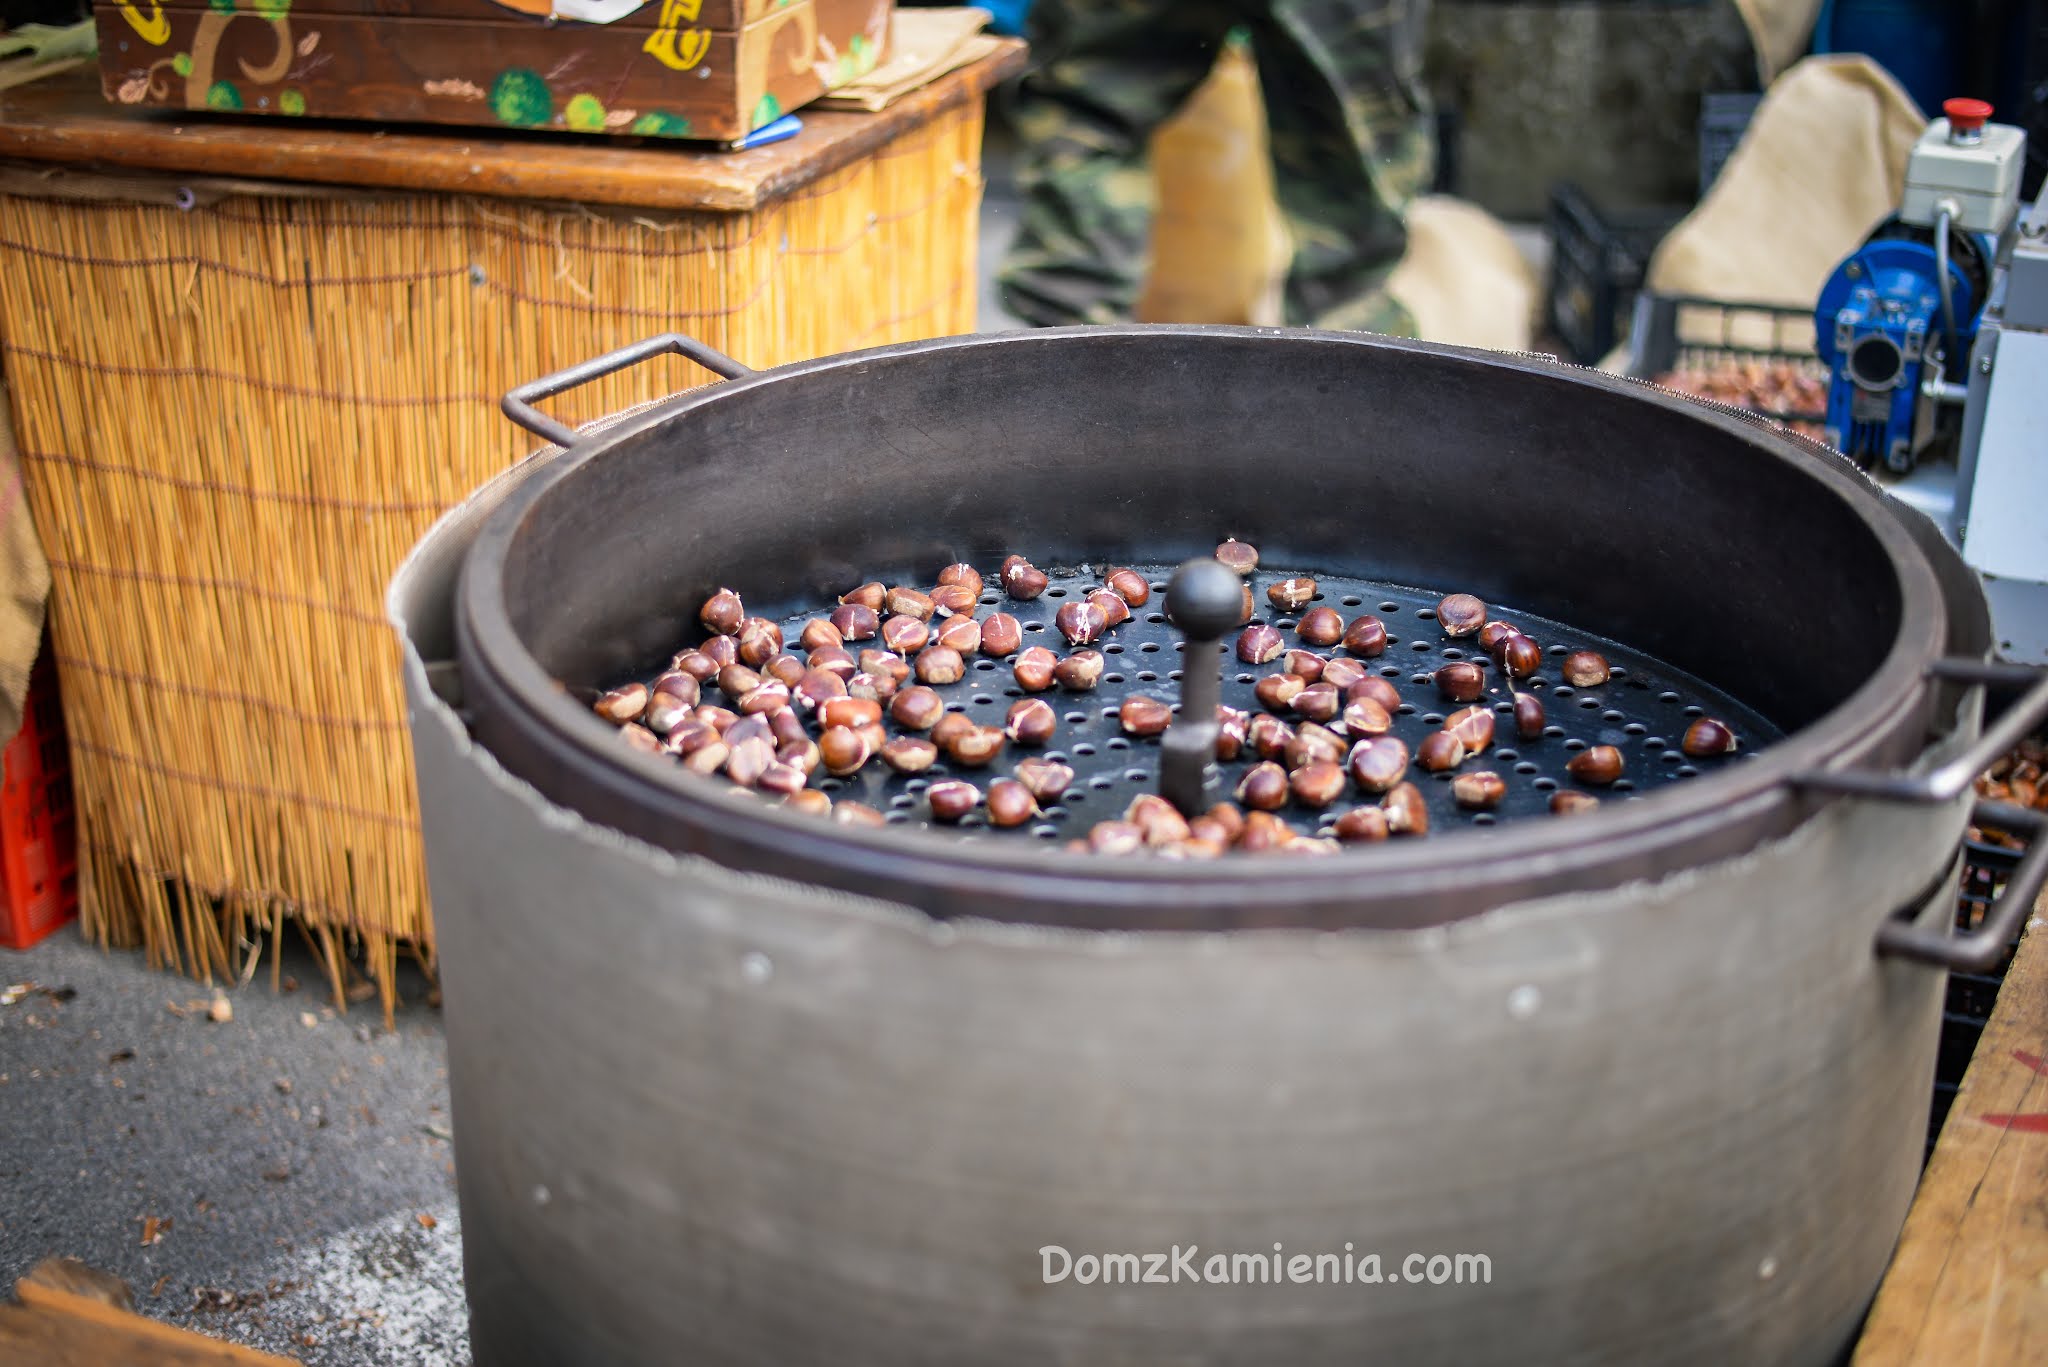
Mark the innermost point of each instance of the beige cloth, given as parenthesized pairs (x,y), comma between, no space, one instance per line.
(1778,30)
(1823,161)
(924,44)
(24,582)
(1220,250)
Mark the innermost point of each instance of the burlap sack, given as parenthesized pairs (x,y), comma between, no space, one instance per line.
(24,582)
(1823,161)
(1219,248)
(1779,30)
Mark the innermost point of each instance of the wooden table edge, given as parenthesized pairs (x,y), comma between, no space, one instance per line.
(65,120)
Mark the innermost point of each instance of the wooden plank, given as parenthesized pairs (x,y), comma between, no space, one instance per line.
(65,120)
(67,1315)
(1969,1281)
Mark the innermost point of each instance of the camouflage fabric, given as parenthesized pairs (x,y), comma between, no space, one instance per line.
(1352,143)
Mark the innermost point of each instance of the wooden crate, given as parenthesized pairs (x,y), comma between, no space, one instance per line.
(709,69)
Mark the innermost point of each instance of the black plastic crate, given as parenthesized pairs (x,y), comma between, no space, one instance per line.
(1971,996)
(1686,332)
(1597,265)
(1723,120)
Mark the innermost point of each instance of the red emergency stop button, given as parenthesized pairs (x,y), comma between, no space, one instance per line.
(1966,116)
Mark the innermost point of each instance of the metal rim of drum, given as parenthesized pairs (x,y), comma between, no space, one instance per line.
(1414,883)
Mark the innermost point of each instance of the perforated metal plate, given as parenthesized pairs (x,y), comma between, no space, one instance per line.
(1642,711)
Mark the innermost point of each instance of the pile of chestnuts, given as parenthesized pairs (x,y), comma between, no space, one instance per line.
(860,686)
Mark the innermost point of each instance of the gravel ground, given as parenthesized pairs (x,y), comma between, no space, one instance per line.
(282,1178)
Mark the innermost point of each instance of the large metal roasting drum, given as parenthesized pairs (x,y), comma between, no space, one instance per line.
(737,1084)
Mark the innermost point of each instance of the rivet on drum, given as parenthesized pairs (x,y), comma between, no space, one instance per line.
(1524,1001)
(541,1195)
(1767,1269)
(756,968)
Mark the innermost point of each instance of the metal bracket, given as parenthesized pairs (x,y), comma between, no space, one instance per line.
(1953,779)
(518,405)
(1979,950)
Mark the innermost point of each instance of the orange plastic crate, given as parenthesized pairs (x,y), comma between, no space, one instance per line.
(38,824)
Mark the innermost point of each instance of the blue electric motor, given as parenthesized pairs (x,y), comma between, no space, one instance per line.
(1883,331)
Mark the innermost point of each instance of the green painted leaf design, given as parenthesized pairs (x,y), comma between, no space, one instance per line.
(521,98)
(766,111)
(223,96)
(660,125)
(584,113)
(292,101)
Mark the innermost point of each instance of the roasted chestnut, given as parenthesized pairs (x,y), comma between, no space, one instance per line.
(908,602)
(1317,784)
(624,703)
(1081,623)
(722,612)
(905,635)
(1278,691)
(962,574)
(1079,672)
(1034,669)
(1378,763)
(1473,726)
(1046,779)
(910,754)
(1366,636)
(1320,627)
(1361,825)
(1306,664)
(959,633)
(1440,750)
(1374,687)
(760,641)
(1600,765)
(842,749)
(1290,595)
(1318,702)
(1130,586)
(1263,788)
(870,595)
(952,799)
(1030,722)
(1584,669)
(1706,738)
(856,621)
(1461,681)
(1480,792)
(1143,716)
(1021,579)
(1566,802)
(1518,656)
(1460,614)
(1001,635)
(939,665)
(1239,556)
(1407,812)
(1010,803)
(1260,644)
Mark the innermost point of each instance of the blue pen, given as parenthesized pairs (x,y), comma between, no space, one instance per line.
(788,126)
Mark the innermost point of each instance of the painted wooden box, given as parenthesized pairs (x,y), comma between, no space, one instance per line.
(709,69)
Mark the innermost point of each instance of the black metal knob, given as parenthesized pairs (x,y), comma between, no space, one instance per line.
(1205,599)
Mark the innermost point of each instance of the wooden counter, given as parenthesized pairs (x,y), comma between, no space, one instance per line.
(1969,1281)
(66,120)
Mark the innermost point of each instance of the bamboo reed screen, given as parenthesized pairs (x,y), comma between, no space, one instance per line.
(235,421)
